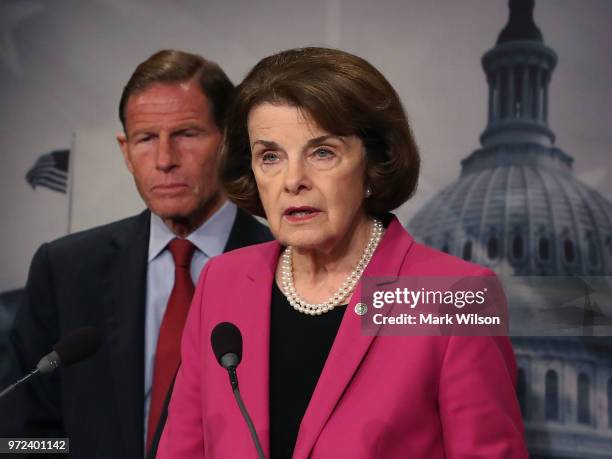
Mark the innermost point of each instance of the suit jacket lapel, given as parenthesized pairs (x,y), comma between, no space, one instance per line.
(246,230)
(255,367)
(125,322)
(350,345)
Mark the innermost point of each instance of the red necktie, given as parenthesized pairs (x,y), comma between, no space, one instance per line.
(168,352)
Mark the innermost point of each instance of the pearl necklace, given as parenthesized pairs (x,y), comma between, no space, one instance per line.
(344,291)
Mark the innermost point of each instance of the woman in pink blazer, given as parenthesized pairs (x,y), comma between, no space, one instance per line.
(318,142)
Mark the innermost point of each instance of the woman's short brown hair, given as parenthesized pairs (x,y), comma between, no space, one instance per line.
(345,95)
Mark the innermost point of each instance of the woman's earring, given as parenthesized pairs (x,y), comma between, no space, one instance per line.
(368,192)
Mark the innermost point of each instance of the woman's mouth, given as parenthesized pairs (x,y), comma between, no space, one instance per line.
(302,213)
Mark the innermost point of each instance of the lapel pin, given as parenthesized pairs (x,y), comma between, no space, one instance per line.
(361,308)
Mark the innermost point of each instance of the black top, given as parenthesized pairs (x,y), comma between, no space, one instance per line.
(299,345)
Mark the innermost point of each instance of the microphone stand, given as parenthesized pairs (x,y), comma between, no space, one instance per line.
(234,382)
(10,388)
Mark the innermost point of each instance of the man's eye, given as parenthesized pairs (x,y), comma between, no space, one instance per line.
(189,133)
(144,139)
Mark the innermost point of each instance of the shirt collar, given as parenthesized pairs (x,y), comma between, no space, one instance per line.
(210,238)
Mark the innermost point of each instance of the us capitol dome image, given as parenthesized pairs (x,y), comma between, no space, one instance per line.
(518,208)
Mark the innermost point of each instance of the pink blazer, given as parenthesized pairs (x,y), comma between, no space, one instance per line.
(377,397)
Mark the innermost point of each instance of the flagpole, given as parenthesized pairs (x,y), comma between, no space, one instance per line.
(70,182)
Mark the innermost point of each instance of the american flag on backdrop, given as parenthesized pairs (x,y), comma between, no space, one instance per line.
(50,171)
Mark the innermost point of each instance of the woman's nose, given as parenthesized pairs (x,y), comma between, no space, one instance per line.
(296,176)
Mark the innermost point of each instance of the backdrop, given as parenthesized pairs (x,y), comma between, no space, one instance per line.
(64,63)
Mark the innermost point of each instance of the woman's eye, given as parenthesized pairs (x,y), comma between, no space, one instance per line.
(269,157)
(323,153)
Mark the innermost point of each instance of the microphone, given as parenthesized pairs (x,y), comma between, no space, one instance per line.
(72,348)
(226,341)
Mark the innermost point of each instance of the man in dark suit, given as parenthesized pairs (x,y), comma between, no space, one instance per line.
(122,278)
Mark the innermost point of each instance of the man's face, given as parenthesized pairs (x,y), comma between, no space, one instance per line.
(170,147)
